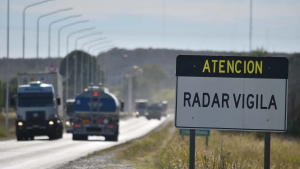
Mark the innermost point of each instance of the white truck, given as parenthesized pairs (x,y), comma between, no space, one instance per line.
(39,106)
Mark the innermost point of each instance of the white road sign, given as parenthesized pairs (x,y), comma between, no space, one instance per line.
(231,93)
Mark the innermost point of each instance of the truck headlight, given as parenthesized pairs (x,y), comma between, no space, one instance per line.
(137,113)
(20,124)
(51,122)
(67,123)
(146,113)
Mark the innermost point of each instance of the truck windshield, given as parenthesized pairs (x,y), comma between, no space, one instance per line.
(70,108)
(141,105)
(154,107)
(35,102)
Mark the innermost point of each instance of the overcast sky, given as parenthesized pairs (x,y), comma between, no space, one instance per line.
(177,24)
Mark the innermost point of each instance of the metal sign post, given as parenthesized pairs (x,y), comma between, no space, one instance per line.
(206,133)
(206,141)
(192,148)
(267,150)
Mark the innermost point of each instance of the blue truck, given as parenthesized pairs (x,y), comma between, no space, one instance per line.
(96,114)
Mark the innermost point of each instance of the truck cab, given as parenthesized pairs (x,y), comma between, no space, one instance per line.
(141,107)
(37,111)
(69,115)
(164,104)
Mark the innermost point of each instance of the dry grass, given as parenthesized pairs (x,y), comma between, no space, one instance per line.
(143,153)
(11,126)
(228,150)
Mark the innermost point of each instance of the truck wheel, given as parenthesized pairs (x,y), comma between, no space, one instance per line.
(61,134)
(52,137)
(75,137)
(19,137)
(111,138)
(79,137)
(31,137)
(84,137)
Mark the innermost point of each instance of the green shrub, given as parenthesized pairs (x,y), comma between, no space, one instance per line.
(2,132)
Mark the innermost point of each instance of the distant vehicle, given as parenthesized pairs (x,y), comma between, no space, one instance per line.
(38,107)
(69,115)
(141,107)
(164,107)
(96,113)
(154,111)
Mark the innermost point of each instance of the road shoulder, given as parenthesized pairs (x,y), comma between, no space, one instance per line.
(126,155)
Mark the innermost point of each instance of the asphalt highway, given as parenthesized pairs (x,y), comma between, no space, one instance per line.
(43,153)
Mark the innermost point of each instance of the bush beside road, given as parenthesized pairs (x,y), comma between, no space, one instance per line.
(11,126)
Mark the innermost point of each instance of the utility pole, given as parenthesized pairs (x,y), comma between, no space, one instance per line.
(250,28)
(129,94)
(7,71)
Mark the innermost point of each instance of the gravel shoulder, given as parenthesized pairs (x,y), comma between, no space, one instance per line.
(105,159)
(99,161)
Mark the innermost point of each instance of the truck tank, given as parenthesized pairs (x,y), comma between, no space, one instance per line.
(97,100)
(96,113)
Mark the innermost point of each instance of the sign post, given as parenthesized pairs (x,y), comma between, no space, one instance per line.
(267,150)
(232,93)
(206,141)
(192,148)
(205,133)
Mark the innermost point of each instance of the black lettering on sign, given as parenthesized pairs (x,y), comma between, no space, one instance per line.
(272,102)
(248,101)
(215,100)
(203,100)
(196,100)
(243,103)
(236,102)
(187,97)
(250,104)
(225,100)
(257,101)
(261,102)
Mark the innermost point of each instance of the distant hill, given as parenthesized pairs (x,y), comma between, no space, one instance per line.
(165,58)
(117,60)
(15,66)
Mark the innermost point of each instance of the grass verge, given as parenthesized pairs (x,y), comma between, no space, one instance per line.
(142,153)
(230,150)
(226,150)
(11,126)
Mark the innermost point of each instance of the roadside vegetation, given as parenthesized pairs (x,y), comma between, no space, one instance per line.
(11,126)
(226,150)
(230,150)
(143,153)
